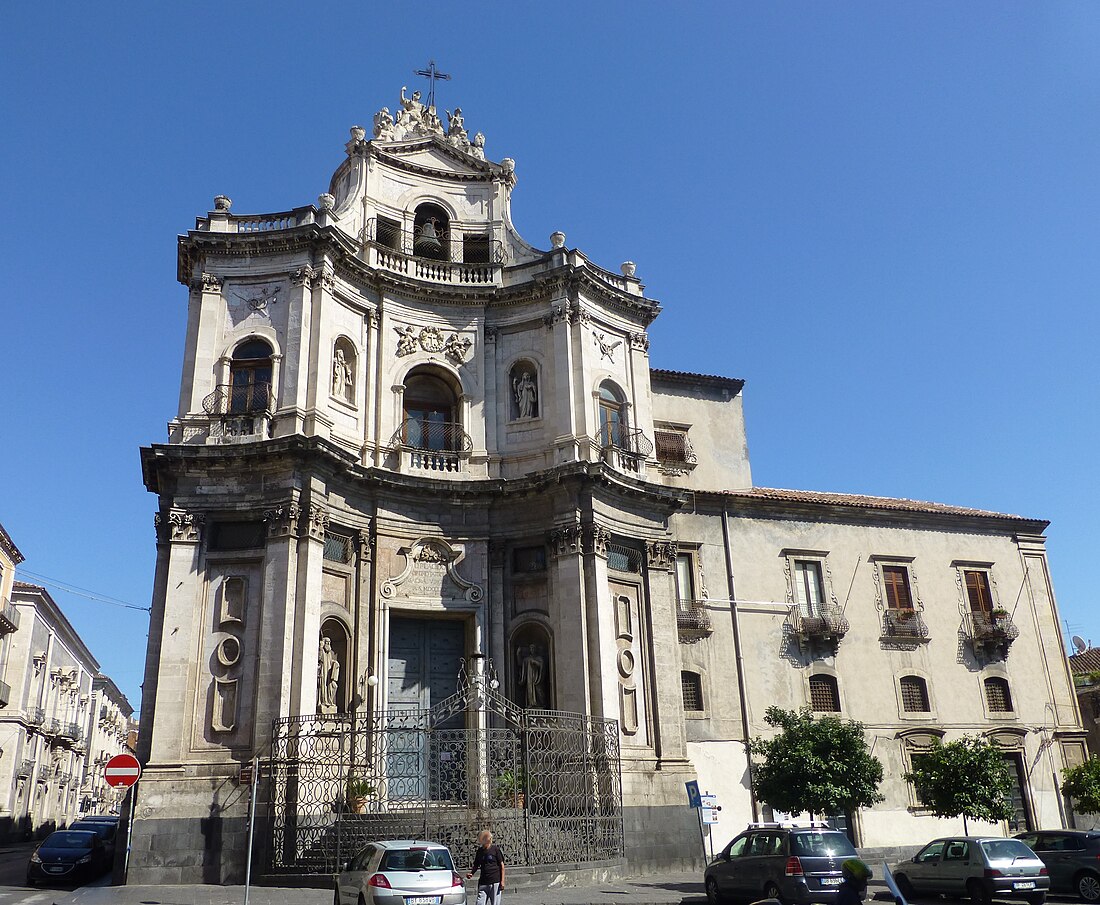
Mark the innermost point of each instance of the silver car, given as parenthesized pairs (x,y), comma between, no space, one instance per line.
(981,867)
(401,872)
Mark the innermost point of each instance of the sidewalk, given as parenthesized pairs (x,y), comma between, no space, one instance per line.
(673,889)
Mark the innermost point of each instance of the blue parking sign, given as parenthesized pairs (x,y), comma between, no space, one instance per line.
(693,794)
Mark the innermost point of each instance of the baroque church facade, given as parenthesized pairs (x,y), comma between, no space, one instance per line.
(422,467)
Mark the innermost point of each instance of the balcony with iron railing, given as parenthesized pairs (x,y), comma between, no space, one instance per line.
(693,620)
(70,732)
(9,616)
(990,633)
(239,414)
(825,625)
(903,626)
(626,449)
(674,452)
(434,253)
(51,726)
(431,447)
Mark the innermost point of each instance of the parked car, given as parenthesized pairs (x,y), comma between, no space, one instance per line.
(797,863)
(1072,857)
(980,867)
(102,828)
(102,818)
(401,872)
(67,856)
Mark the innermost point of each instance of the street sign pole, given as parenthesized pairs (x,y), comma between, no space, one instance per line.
(129,834)
(251,827)
(122,772)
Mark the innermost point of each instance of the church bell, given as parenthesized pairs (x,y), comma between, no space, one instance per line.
(427,242)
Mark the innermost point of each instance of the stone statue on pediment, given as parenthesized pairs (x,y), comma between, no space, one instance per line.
(383,125)
(477,146)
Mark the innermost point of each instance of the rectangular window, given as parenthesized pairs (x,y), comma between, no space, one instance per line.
(236,536)
(692,685)
(997,696)
(977,592)
(824,694)
(915,760)
(388,233)
(896,581)
(529,559)
(475,249)
(685,581)
(808,587)
(914,695)
(337,548)
(624,559)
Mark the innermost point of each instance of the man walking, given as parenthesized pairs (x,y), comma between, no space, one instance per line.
(490,861)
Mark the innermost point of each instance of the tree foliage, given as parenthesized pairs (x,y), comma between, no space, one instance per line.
(968,777)
(817,766)
(1082,784)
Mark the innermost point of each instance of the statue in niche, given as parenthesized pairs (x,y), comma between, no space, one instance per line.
(531,669)
(526,393)
(343,380)
(328,676)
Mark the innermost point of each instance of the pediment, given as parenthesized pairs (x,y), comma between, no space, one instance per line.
(434,156)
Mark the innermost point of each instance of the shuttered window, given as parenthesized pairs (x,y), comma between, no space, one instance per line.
(977,591)
(807,586)
(896,581)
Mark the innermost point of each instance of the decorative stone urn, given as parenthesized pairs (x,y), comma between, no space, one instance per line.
(628,268)
(222,203)
(557,239)
(358,133)
(326,202)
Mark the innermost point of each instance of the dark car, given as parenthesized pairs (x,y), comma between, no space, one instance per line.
(981,867)
(1072,857)
(102,828)
(795,863)
(67,856)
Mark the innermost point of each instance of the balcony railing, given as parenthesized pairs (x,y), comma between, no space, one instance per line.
(70,731)
(990,633)
(239,412)
(438,255)
(903,626)
(626,449)
(693,620)
(9,616)
(827,624)
(674,450)
(433,446)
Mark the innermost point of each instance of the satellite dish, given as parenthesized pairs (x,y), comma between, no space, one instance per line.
(1079,644)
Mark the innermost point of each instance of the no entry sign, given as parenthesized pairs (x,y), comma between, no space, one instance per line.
(122,771)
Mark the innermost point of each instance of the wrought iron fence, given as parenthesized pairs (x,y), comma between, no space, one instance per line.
(693,619)
(547,783)
(431,436)
(904,626)
(990,632)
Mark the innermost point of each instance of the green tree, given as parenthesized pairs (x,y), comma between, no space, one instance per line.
(1082,784)
(818,766)
(965,778)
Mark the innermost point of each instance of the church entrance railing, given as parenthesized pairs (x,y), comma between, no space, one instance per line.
(547,783)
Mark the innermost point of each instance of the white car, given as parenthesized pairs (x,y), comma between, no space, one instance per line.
(401,872)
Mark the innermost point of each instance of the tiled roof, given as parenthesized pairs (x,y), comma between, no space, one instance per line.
(1085,662)
(860,501)
(688,377)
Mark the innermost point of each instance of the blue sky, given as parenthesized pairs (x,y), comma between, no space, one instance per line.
(882,215)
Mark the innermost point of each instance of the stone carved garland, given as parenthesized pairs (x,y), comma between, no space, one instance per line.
(431,340)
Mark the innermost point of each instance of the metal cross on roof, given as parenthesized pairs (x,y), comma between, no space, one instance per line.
(431,74)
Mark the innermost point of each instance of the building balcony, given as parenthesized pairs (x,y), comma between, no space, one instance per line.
(626,449)
(990,634)
(9,616)
(826,626)
(51,726)
(674,452)
(70,732)
(693,620)
(5,694)
(430,448)
(904,626)
(234,414)
(441,257)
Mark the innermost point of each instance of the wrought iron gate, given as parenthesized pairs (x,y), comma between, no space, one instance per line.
(547,783)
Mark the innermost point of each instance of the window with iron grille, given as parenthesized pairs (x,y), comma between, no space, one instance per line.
(824,694)
(529,559)
(914,694)
(337,548)
(997,696)
(673,446)
(624,559)
(236,536)
(692,684)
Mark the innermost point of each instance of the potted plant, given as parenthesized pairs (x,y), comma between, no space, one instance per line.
(359,791)
(509,788)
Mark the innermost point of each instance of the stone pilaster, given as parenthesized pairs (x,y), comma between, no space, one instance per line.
(569,618)
(669,740)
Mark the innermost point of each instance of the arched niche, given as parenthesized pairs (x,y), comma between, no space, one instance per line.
(532,667)
(331,701)
(524,391)
(345,368)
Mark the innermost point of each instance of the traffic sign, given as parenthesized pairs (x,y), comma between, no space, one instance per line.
(693,793)
(709,808)
(122,771)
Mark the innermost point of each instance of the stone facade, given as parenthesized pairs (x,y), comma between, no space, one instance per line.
(395,411)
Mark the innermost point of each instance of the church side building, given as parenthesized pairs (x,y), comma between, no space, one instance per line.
(438,545)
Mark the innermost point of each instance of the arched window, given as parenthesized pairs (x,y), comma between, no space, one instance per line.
(998,699)
(431,232)
(612,416)
(824,694)
(250,377)
(343,370)
(914,694)
(692,685)
(431,420)
(525,390)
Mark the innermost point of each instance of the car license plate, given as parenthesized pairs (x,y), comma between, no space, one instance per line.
(56,870)
(422,900)
(1024,884)
(831,881)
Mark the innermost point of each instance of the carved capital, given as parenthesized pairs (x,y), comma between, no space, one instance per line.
(566,541)
(179,526)
(327,277)
(318,522)
(639,342)
(282,521)
(303,276)
(558,313)
(578,315)
(366,546)
(491,334)
(207,283)
(661,555)
(374,319)
(596,538)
